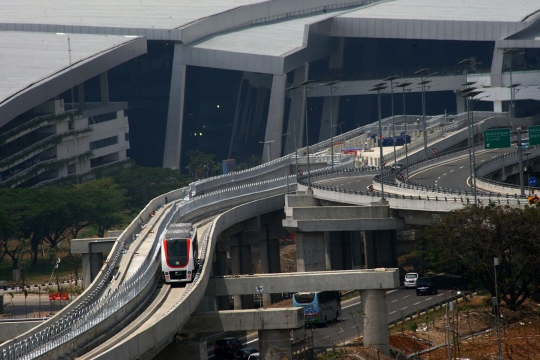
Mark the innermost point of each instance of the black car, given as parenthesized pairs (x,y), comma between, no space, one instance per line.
(227,348)
(425,285)
(243,354)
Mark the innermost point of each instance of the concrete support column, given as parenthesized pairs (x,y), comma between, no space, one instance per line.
(193,350)
(175,116)
(207,304)
(246,267)
(91,264)
(386,242)
(275,344)
(80,93)
(274,122)
(297,111)
(265,266)
(310,251)
(376,320)
(337,250)
(370,251)
(274,262)
(235,269)
(220,269)
(104,87)
(357,248)
(329,253)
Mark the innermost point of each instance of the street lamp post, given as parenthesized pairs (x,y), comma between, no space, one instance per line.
(378,87)
(423,84)
(512,53)
(403,85)
(331,85)
(292,88)
(391,79)
(304,85)
(469,93)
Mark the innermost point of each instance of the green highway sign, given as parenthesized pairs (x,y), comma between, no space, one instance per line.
(534,135)
(496,138)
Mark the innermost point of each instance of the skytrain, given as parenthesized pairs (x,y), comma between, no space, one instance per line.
(179,253)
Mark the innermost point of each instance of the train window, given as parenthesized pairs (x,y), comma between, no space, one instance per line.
(177,248)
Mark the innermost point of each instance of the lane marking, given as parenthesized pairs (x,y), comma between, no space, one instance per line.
(394,300)
(391,313)
(429,299)
(452,170)
(406,296)
(403,308)
(462,167)
(416,303)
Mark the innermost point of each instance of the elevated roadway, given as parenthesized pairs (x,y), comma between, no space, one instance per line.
(70,329)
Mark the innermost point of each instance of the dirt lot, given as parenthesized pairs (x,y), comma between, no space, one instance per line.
(520,333)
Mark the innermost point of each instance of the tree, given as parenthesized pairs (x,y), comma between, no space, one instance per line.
(145,183)
(103,202)
(469,239)
(202,165)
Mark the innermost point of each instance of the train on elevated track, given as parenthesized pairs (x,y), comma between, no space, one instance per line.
(179,253)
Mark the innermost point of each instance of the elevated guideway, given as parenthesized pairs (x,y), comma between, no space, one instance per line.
(127,277)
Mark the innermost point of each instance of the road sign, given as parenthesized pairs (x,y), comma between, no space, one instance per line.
(532,181)
(259,288)
(496,138)
(434,151)
(534,135)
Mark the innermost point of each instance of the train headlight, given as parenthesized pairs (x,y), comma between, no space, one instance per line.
(166,273)
(189,272)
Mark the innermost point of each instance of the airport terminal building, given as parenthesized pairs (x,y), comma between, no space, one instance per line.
(87,85)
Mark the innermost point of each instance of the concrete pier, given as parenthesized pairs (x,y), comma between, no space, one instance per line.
(376,320)
(275,344)
(310,251)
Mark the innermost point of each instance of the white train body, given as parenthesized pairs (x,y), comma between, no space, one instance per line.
(179,253)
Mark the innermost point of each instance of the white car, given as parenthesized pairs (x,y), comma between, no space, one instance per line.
(410,280)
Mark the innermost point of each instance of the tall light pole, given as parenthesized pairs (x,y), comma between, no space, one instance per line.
(378,87)
(391,79)
(305,84)
(512,53)
(464,95)
(423,83)
(496,305)
(472,158)
(292,88)
(332,89)
(403,85)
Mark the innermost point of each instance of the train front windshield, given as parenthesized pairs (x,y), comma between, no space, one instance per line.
(177,252)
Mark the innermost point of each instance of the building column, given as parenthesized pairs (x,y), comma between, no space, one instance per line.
(310,251)
(497,63)
(329,253)
(274,122)
(376,320)
(91,265)
(175,116)
(297,111)
(497,106)
(104,87)
(356,249)
(335,63)
(275,344)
